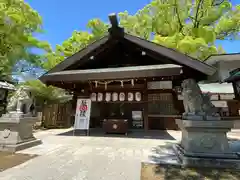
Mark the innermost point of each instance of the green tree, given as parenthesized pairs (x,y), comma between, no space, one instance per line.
(77,41)
(18,24)
(46,94)
(189,26)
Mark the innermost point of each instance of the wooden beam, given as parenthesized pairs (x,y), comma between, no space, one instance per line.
(145,109)
(113,20)
(115,31)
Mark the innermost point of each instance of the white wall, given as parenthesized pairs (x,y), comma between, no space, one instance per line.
(225,67)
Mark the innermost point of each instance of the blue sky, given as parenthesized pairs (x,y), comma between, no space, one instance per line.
(62,17)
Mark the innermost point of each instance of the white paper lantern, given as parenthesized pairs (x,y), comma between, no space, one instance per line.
(93,96)
(130,96)
(122,96)
(114,96)
(100,97)
(108,97)
(138,96)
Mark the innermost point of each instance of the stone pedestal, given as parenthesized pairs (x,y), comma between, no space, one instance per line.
(203,152)
(16,132)
(205,144)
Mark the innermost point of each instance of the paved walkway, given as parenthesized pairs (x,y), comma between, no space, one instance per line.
(86,158)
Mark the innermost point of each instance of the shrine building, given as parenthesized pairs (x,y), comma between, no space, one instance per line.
(128,79)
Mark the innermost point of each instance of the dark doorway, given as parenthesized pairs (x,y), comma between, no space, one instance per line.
(133,112)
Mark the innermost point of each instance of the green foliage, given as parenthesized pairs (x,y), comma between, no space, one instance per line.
(18,22)
(78,40)
(190,26)
(45,93)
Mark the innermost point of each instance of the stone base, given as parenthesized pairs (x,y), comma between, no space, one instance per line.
(16,132)
(18,147)
(205,137)
(200,117)
(231,160)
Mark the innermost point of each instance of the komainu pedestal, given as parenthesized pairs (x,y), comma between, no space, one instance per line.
(16,132)
(205,144)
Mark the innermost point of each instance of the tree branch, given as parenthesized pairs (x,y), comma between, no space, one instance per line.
(178,17)
(216,4)
(197,19)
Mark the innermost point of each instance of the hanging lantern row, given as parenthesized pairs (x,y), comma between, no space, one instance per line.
(116,96)
(105,83)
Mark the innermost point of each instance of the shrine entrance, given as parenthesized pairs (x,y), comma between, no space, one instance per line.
(118,102)
(119,110)
(133,83)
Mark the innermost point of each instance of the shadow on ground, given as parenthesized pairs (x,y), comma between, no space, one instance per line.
(165,165)
(9,160)
(163,135)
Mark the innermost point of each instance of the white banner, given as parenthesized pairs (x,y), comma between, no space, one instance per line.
(82,116)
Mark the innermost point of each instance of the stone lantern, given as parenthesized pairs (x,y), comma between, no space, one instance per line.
(5,87)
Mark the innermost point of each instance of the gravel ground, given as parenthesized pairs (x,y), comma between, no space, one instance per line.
(86,158)
(83,158)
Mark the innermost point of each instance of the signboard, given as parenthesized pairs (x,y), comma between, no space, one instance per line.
(137,115)
(214,96)
(82,116)
(227,96)
(220,104)
(160,85)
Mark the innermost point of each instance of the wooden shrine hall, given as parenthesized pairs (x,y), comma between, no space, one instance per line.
(128,79)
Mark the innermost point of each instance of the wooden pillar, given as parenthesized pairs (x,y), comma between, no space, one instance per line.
(74,100)
(145,109)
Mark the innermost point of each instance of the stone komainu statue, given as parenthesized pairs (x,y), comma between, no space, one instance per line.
(194,101)
(22,101)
